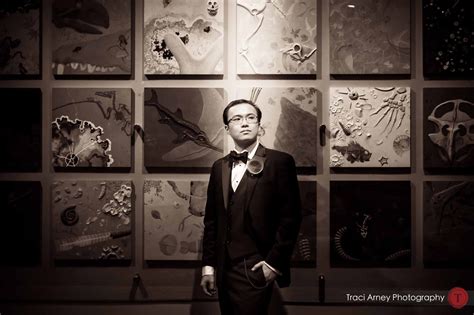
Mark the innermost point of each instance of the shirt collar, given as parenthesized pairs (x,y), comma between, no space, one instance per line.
(252,152)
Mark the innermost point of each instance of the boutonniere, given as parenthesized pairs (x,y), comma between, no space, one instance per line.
(255,165)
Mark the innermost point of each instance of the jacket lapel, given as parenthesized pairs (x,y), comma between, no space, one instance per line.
(252,180)
(226,168)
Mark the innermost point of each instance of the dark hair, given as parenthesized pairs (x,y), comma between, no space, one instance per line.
(238,102)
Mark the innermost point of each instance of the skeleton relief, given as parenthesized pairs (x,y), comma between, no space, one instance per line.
(448,128)
(455,129)
(212,8)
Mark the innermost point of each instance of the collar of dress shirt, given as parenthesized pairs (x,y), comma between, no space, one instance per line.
(252,151)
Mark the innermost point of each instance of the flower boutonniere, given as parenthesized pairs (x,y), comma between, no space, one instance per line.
(255,165)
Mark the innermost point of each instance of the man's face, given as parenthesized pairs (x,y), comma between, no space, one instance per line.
(242,124)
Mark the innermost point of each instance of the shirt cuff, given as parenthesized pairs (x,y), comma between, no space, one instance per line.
(207,271)
(273,269)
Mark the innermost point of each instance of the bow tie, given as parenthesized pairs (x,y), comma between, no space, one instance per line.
(236,157)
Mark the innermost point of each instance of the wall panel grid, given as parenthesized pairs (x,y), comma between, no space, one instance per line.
(118,104)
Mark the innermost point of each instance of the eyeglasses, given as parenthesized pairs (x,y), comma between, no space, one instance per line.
(239,120)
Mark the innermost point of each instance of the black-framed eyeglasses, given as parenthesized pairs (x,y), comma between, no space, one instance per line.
(239,120)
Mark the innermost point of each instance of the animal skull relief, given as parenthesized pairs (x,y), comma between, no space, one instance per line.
(454,120)
(212,8)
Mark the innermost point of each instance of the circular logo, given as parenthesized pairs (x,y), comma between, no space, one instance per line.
(458,297)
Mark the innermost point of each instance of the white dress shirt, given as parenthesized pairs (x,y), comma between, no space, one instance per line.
(239,168)
(238,171)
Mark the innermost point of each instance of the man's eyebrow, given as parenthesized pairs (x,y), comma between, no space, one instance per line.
(249,114)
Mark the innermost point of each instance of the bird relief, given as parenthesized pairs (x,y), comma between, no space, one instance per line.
(370,127)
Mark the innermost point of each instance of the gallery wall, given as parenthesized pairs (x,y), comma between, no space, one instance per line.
(107,159)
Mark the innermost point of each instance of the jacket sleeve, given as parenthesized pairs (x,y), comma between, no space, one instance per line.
(209,255)
(289,212)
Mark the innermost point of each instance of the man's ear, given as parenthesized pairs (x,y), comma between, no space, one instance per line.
(261,131)
(226,127)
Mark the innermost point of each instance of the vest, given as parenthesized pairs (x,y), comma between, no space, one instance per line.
(239,243)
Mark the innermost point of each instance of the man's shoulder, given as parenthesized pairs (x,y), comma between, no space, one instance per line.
(218,162)
(278,155)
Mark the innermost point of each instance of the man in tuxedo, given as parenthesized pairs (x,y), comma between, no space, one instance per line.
(252,219)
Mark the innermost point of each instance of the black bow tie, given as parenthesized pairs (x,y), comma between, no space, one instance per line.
(236,157)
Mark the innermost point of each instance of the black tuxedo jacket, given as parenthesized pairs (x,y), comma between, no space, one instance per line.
(272,212)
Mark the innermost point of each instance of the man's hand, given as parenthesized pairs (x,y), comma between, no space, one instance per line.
(208,285)
(269,274)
